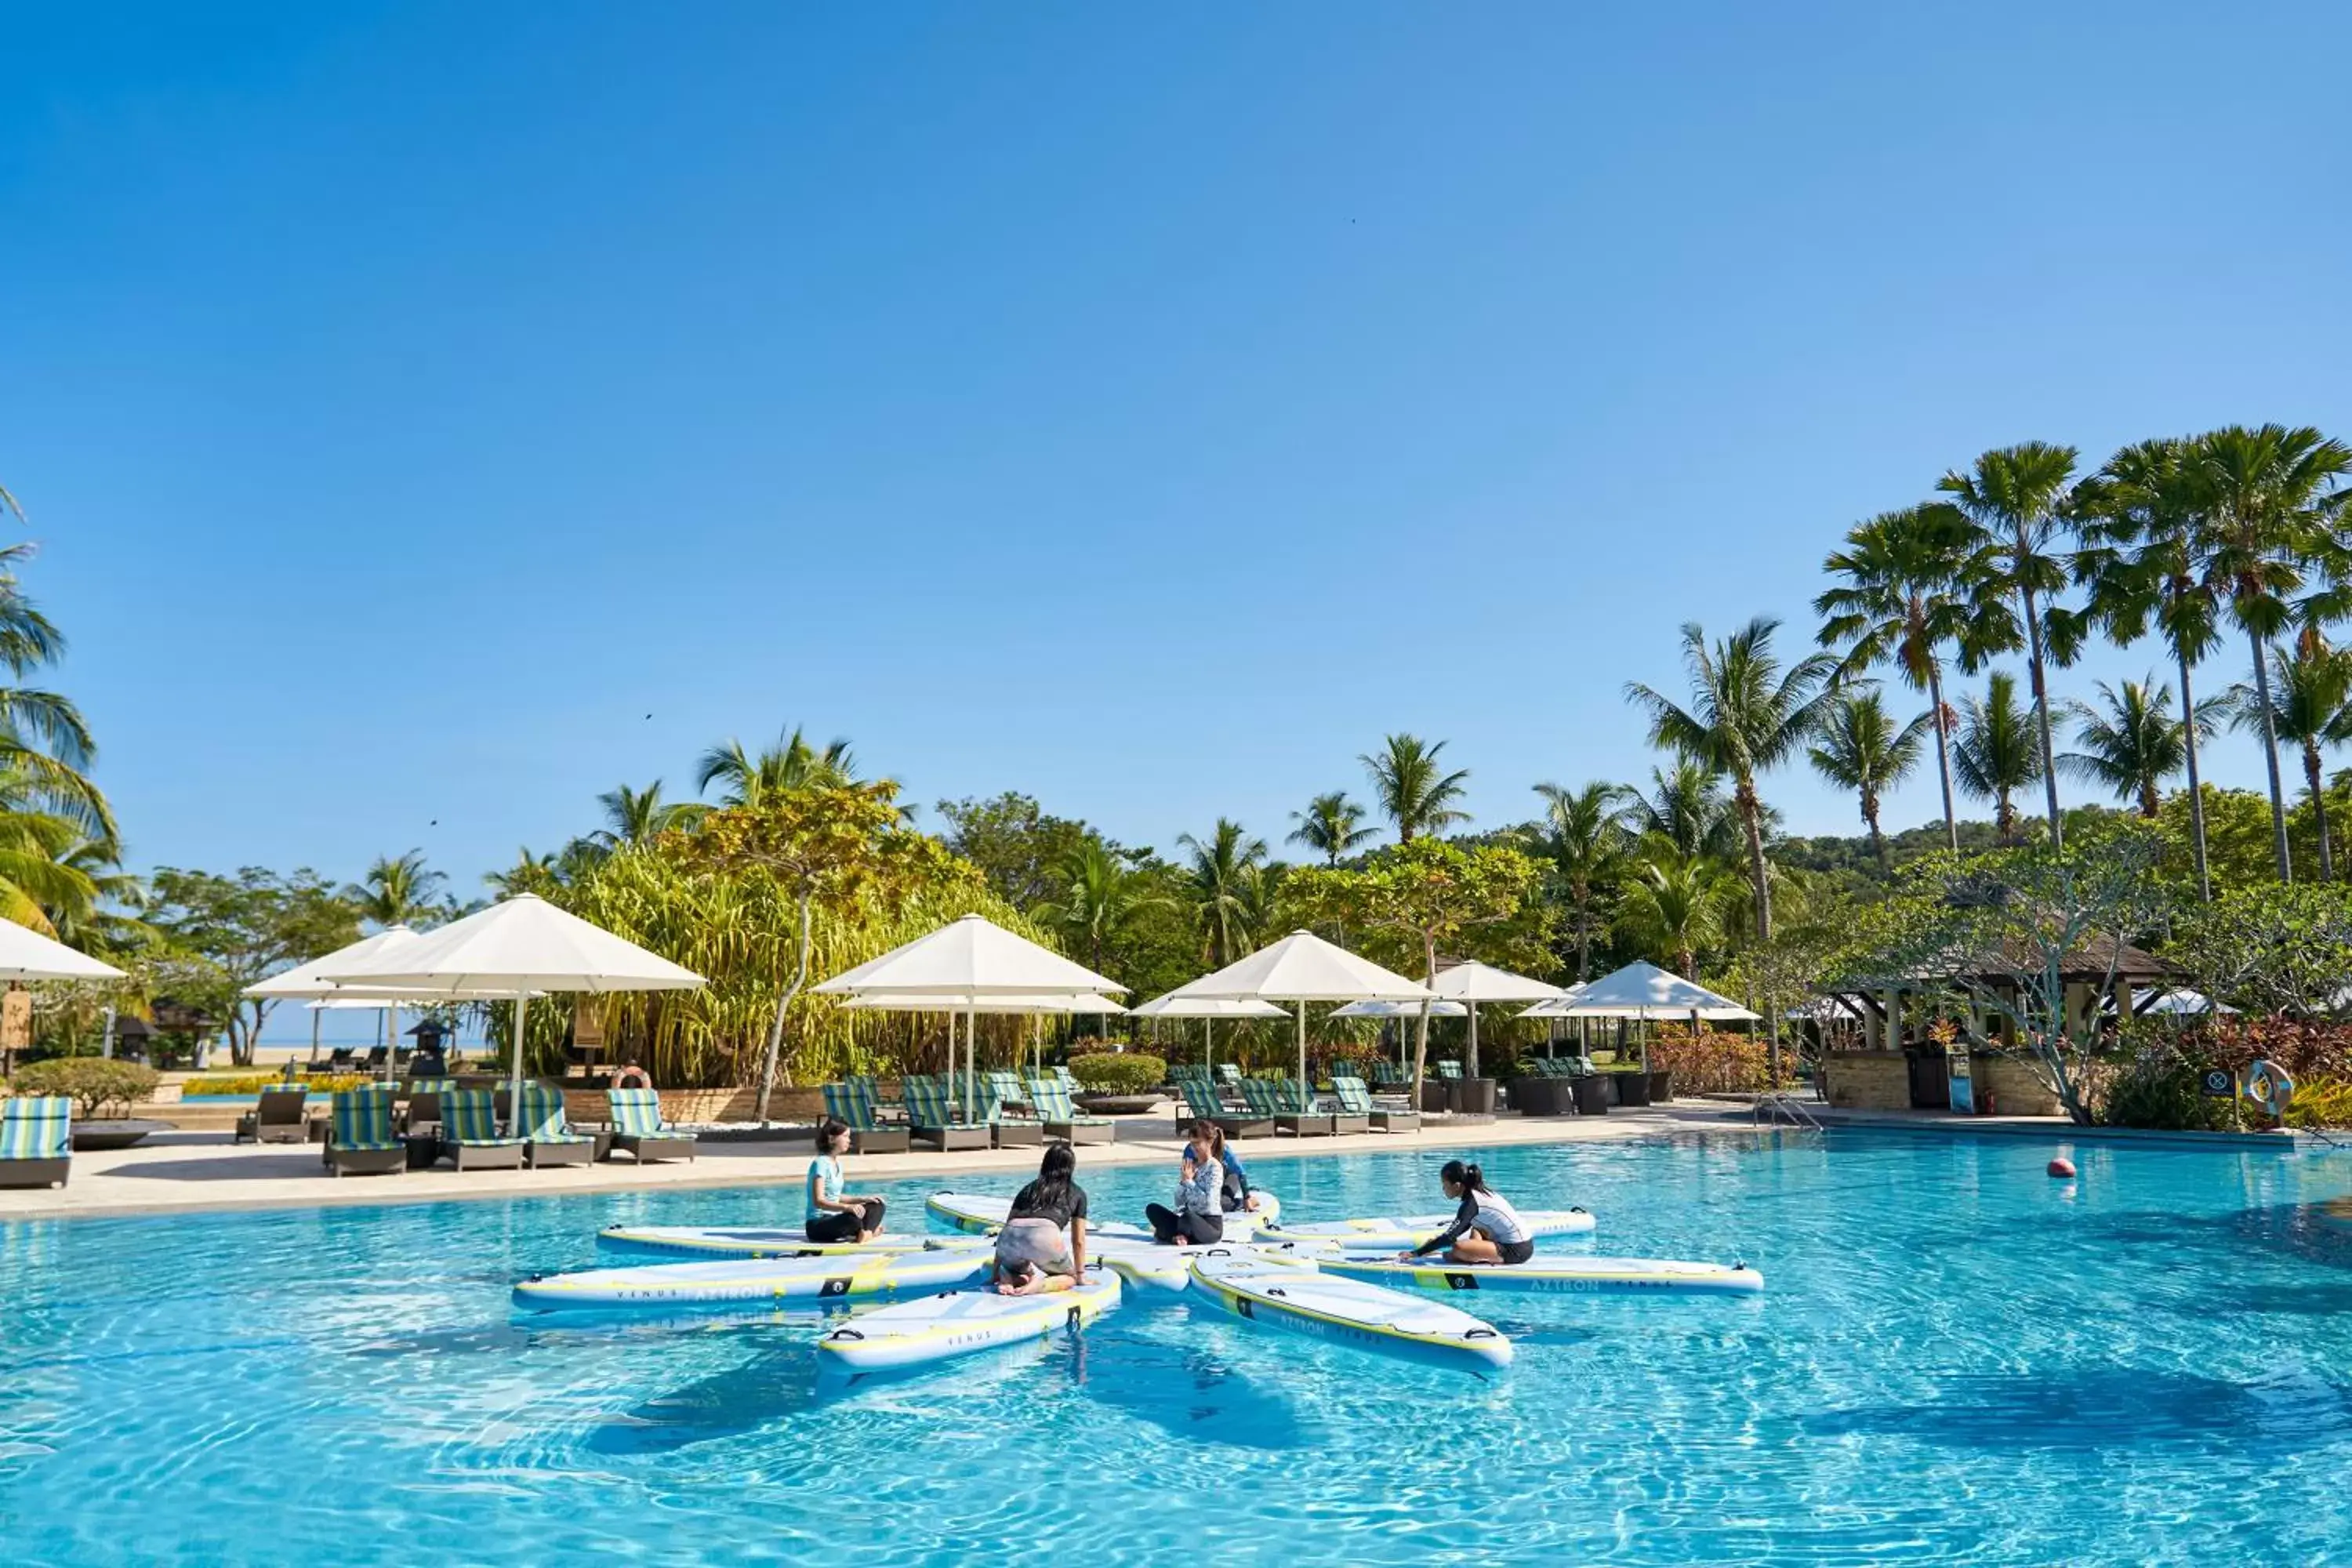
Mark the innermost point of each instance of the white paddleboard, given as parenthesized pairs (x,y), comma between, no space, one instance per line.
(1351,1312)
(961,1322)
(1153,1266)
(1545,1273)
(1402,1231)
(983,1214)
(753,1280)
(754,1241)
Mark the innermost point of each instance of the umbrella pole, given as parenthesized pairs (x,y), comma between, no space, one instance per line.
(1209,1045)
(391,1039)
(316,1014)
(1472,1069)
(514,1083)
(971,1062)
(1302,1043)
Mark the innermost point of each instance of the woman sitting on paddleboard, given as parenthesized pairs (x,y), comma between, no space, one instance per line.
(1236,1195)
(1199,1216)
(1043,1246)
(831,1216)
(1485,1229)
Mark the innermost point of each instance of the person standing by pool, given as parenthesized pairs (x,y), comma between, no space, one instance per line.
(832,1215)
(1485,1229)
(1199,1216)
(1042,1246)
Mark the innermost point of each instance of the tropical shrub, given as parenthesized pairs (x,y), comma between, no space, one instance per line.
(2321,1102)
(1709,1061)
(93,1083)
(1118,1072)
(254,1082)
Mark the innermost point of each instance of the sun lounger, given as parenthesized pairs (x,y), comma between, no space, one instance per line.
(1197,1097)
(275,1118)
(1062,1117)
(1291,1104)
(992,1089)
(846,1105)
(548,1138)
(931,1116)
(470,1136)
(360,1140)
(1355,1100)
(36,1140)
(1448,1068)
(1201,1097)
(638,1127)
(424,1114)
(1344,1118)
(341,1059)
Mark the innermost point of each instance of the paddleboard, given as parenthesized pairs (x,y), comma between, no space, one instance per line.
(1545,1273)
(1351,1312)
(1402,1231)
(1153,1267)
(752,1281)
(961,1322)
(983,1214)
(756,1241)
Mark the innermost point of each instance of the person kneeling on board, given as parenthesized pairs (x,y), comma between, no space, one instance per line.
(1199,1216)
(1485,1229)
(1042,1246)
(831,1215)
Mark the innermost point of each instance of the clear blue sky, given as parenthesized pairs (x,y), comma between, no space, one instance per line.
(436,414)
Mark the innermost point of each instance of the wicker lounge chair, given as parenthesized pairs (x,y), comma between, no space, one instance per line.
(36,1140)
(1010,1132)
(930,1116)
(470,1136)
(1355,1100)
(423,1114)
(1290,1103)
(1200,1093)
(360,1139)
(638,1127)
(548,1138)
(1063,1118)
(277,1118)
(845,1104)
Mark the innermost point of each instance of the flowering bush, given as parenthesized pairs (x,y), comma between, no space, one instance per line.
(1709,1061)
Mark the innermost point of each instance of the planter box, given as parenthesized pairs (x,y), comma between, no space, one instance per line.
(1632,1087)
(1470,1096)
(1434,1100)
(1542,1096)
(1662,1088)
(1591,1092)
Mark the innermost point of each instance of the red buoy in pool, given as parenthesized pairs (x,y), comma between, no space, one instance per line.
(2062,1168)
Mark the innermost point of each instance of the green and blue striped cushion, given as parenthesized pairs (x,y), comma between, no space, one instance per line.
(542,1119)
(470,1117)
(1354,1099)
(37,1127)
(362,1118)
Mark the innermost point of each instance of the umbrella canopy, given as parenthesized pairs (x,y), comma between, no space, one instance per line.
(317,978)
(1646,991)
(1302,968)
(516,948)
(2178,1002)
(971,957)
(27,954)
(1473,982)
(1399,1010)
(1208,1009)
(1559,1006)
(925,1002)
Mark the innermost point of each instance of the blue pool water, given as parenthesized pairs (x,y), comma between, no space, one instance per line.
(1956,1360)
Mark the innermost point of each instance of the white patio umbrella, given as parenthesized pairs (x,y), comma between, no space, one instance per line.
(924,1001)
(1302,968)
(27,954)
(1471,983)
(1208,1009)
(516,949)
(1643,991)
(317,979)
(1400,1010)
(2178,1002)
(965,960)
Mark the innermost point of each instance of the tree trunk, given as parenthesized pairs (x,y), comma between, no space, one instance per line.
(2195,794)
(776,1024)
(1943,756)
(1877,839)
(1420,1042)
(2270,758)
(2318,810)
(1751,817)
(1583,933)
(2040,699)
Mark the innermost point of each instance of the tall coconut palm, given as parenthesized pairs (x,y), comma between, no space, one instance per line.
(1332,826)
(634,816)
(1909,577)
(1412,790)
(107,920)
(1672,907)
(2269,499)
(529,874)
(2140,517)
(791,763)
(2307,702)
(2018,499)
(1101,899)
(1860,748)
(397,890)
(2132,744)
(1995,755)
(1584,839)
(1686,809)
(1214,879)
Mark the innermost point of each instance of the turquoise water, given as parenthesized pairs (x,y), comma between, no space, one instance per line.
(1957,1360)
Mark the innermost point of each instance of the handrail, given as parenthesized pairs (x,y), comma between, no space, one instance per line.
(1770,1107)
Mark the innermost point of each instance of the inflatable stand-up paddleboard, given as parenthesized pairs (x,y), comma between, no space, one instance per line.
(958,1323)
(1352,1312)
(1545,1273)
(1402,1231)
(983,1214)
(752,1241)
(752,1281)
(1149,1266)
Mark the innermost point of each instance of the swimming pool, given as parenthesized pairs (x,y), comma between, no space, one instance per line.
(1956,1360)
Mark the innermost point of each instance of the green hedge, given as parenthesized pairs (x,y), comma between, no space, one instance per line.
(254,1082)
(1118,1072)
(92,1083)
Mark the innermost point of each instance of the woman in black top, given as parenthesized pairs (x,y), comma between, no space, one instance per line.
(1042,1246)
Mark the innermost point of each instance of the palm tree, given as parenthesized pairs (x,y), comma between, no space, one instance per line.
(1860,748)
(1412,793)
(2016,498)
(791,763)
(91,924)
(1331,826)
(397,890)
(1583,838)
(2135,744)
(1746,715)
(530,873)
(1995,755)
(634,816)
(2268,497)
(1673,908)
(2140,518)
(2307,701)
(1908,578)
(1219,902)
(1101,897)
(1686,809)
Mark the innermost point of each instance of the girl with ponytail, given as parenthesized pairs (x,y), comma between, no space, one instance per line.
(1485,1229)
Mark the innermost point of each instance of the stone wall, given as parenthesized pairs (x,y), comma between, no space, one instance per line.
(1881,1080)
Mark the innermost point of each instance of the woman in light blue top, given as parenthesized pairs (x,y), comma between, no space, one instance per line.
(1199,1216)
(831,1215)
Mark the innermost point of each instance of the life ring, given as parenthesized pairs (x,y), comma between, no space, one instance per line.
(632,1077)
(2268,1086)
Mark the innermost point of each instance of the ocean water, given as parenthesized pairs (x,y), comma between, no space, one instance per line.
(1956,1360)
